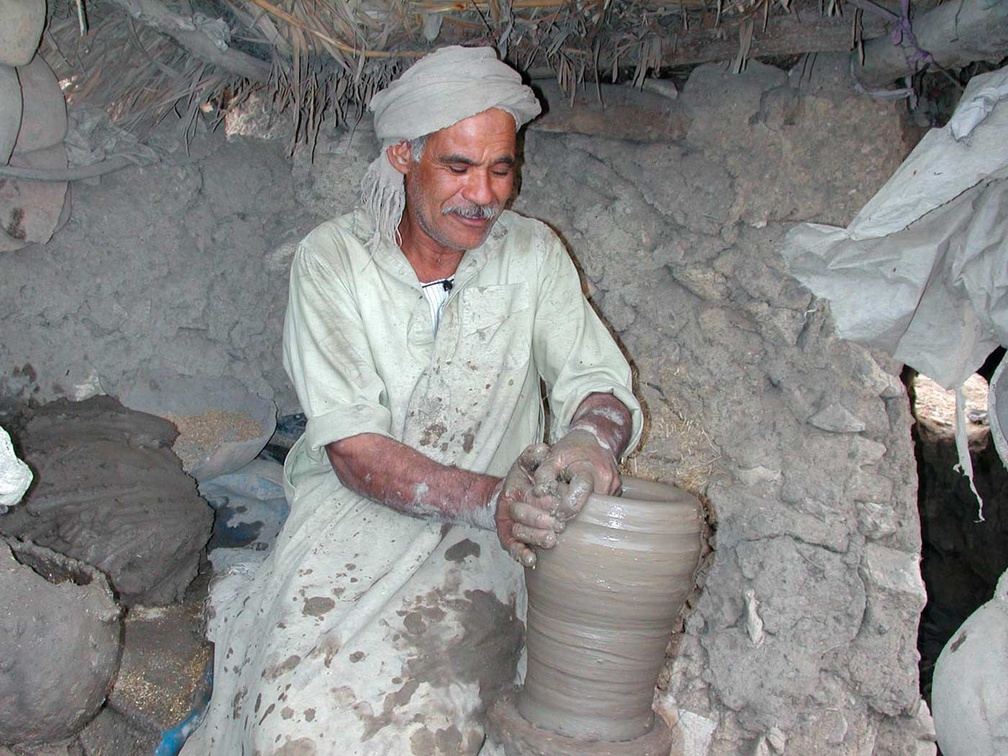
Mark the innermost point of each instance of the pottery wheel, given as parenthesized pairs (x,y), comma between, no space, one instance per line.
(519,737)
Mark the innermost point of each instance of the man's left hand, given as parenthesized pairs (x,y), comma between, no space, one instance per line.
(585,460)
(575,467)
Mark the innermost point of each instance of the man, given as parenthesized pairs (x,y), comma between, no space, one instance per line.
(417,331)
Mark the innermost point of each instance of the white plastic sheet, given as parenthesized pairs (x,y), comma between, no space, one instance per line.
(922,270)
(15,475)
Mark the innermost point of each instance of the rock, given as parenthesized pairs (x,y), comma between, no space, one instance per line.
(15,475)
(969,691)
(44,116)
(611,111)
(895,591)
(895,572)
(836,418)
(876,521)
(110,492)
(21,24)
(10,111)
(59,641)
(697,733)
(752,476)
(32,211)
(912,734)
(794,149)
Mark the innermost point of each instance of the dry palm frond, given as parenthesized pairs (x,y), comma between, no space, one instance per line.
(330,56)
(138,76)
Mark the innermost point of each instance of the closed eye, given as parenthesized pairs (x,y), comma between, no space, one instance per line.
(457,165)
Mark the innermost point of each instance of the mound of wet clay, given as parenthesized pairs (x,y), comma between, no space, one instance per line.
(110,492)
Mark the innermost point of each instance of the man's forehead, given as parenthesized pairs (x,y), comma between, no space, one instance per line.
(493,119)
(493,129)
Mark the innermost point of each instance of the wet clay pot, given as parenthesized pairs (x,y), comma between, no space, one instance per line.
(601,608)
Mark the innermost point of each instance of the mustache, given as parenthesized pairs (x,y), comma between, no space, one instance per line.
(473,211)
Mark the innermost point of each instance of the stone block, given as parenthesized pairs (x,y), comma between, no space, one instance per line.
(10,111)
(21,24)
(32,211)
(44,115)
(59,639)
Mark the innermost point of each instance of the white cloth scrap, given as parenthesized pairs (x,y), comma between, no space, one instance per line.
(922,270)
(15,475)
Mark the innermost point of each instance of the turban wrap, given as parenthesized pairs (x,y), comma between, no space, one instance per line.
(441,89)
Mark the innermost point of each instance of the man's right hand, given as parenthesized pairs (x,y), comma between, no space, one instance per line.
(524,520)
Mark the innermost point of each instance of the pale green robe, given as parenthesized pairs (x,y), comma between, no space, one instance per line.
(366,630)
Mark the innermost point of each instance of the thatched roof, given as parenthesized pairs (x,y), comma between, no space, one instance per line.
(142,59)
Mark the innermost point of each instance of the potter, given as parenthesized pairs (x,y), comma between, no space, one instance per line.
(419,329)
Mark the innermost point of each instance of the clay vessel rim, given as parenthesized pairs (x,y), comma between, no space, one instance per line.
(643,505)
(641,491)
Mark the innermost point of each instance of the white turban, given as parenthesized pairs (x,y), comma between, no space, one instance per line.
(438,91)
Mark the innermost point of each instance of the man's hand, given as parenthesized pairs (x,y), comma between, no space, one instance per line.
(584,461)
(523,519)
(576,466)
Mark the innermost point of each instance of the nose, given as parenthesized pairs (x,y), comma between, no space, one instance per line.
(478,188)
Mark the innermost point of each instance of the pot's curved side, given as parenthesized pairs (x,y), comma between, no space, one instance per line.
(601,609)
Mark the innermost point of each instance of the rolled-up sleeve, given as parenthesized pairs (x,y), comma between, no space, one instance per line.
(574,350)
(326,351)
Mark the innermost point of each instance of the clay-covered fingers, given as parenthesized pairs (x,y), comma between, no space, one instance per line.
(573,496)
(542,538)
(523,521)
(575,467)
(519,478)
(520,526)
(521,554)
(533,525)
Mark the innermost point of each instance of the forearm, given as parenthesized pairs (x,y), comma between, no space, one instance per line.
(404,479)
(607,419)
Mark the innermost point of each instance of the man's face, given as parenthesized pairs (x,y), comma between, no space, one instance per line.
(461,183)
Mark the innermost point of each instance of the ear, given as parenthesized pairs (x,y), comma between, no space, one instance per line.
(401,157)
